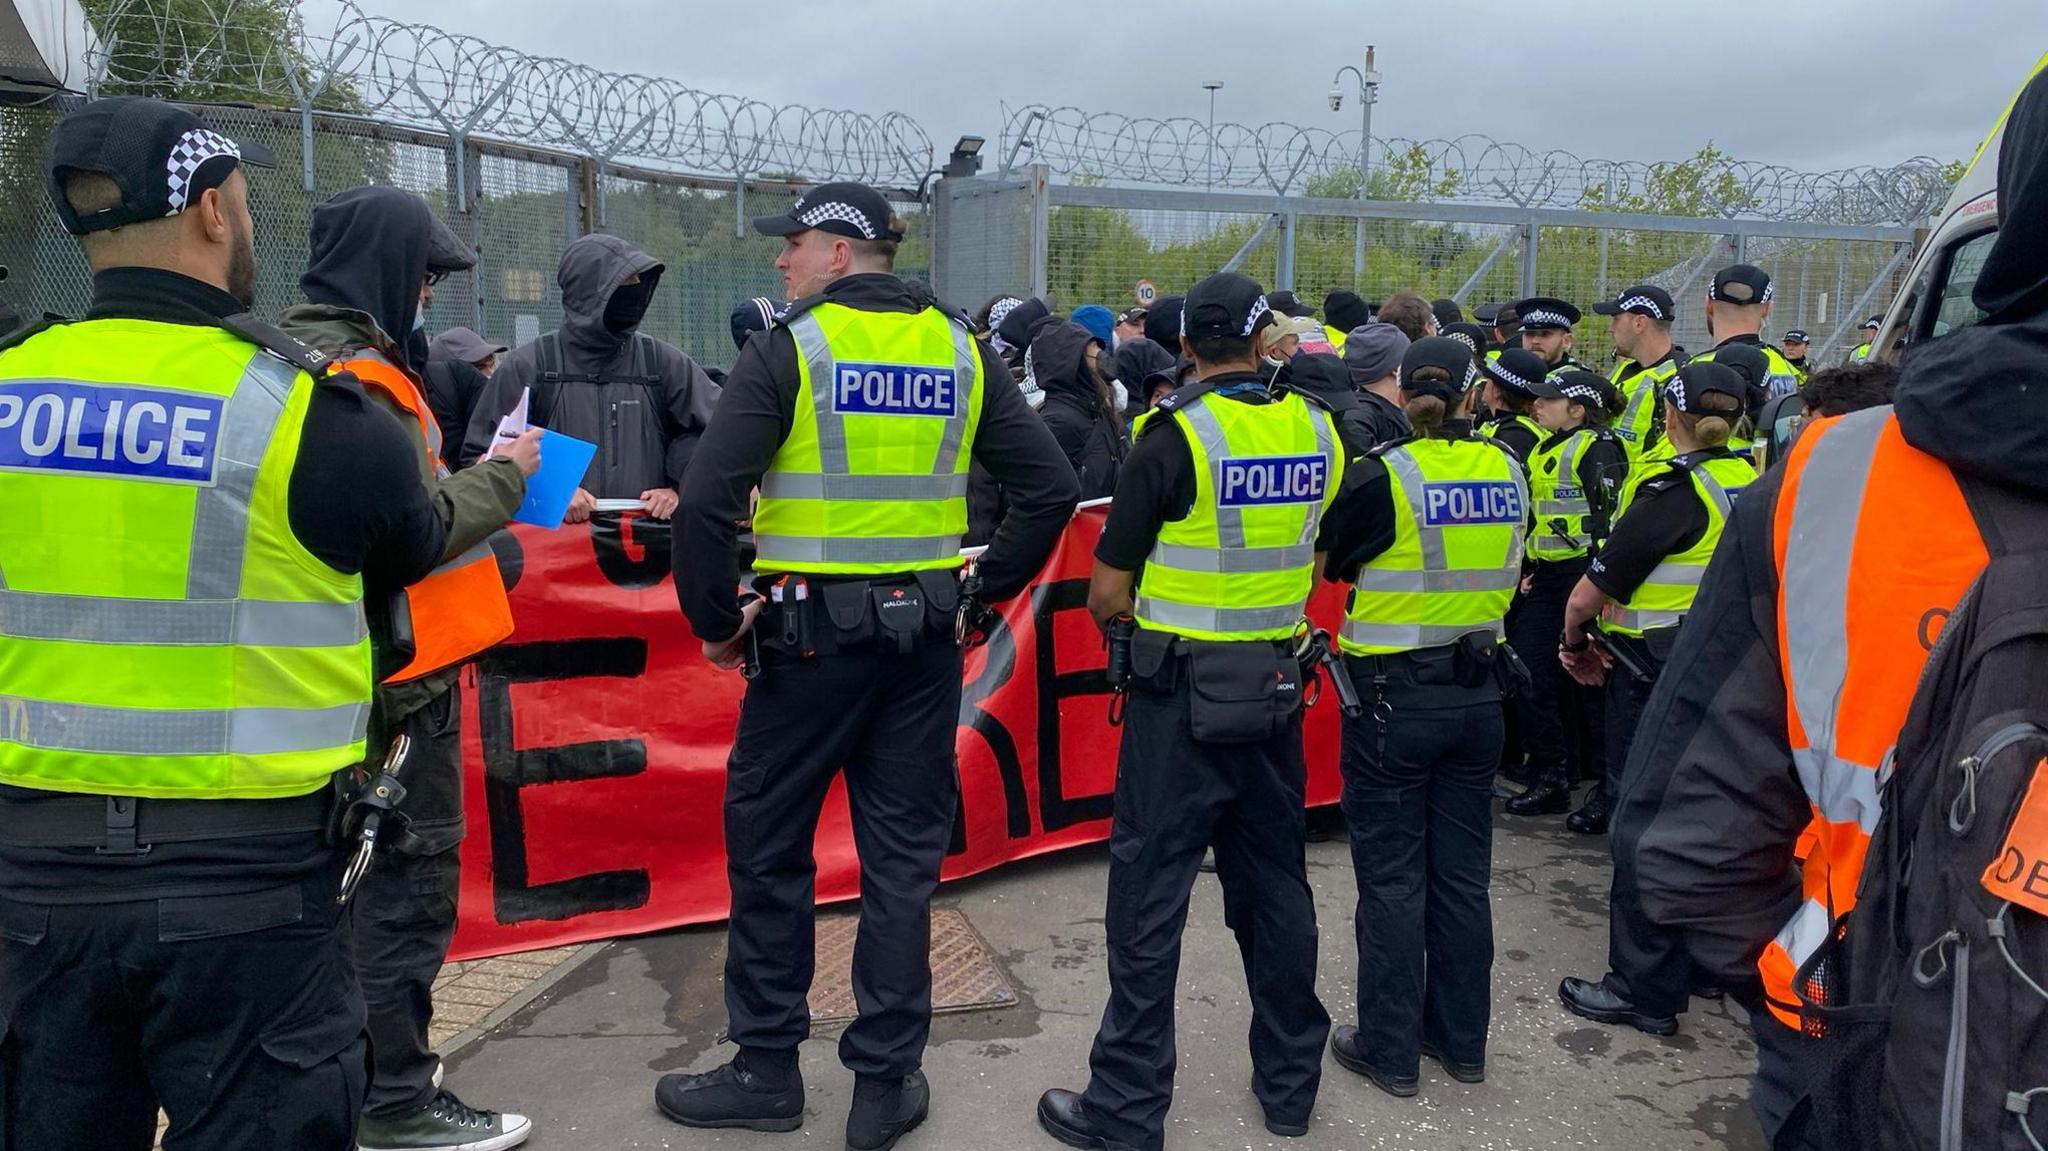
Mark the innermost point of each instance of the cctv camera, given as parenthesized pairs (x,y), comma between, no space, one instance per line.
(1336,99)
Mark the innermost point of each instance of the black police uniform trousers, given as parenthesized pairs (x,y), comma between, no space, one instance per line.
(888,722)
(1418,799)
(403,913)
(236,1014)
(1559,722)
(1647,964)
(1176,797)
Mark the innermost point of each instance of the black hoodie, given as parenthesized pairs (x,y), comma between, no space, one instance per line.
(644,434)
(369,254)
(1019,327)
(1075,410)
(1136,359)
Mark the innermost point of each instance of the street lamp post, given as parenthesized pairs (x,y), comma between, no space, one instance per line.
(1368,95)
(1209,164)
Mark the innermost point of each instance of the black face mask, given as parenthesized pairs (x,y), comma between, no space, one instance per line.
(628,306)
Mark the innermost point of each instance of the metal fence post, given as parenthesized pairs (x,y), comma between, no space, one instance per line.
(1039,178)
(1600,285)
(1532,232)
(1283,274)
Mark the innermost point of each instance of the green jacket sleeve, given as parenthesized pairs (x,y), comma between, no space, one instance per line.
(474,502)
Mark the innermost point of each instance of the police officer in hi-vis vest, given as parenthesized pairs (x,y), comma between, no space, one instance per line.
(857,416)
(195,514)
(1220,503)
(1645,359)
(1430,535)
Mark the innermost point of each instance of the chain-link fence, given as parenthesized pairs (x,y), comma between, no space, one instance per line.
(523,207)
(1096,244)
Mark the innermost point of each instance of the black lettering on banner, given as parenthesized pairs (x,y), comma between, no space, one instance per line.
(2037,880)
(508,768)
(1056,810)
(632,550)
(1931,623)
(2009,865)
(998,665)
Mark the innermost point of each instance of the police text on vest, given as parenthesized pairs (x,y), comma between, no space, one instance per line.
(1465,503)
(1259,480)
(109,430)
(894,390)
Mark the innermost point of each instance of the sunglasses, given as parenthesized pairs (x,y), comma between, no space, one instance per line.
(434,278)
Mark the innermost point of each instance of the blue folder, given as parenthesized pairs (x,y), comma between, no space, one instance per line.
(563,460)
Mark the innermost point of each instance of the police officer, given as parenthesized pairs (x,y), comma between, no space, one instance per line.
(1794,348)
(1738,307)
(1575,475)
(1226,477)
(371,254)
(1511,376)
(1863,350)
(195,517)
(1430,533)
(1641,333)
(857,416)
(1547,324)
(1639,590)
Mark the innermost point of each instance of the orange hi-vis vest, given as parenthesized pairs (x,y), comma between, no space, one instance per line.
(460,608)
(1875,546)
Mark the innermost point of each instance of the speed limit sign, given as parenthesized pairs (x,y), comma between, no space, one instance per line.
(1147,292)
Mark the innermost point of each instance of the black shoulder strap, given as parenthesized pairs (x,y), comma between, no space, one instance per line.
(2010,520)
(551,357)
(799,307)
(279,343)
(1184,395)
(1381,449)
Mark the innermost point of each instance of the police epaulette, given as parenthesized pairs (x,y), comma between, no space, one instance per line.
(279,343)
(1381,449)
(1184,395)
(799,307)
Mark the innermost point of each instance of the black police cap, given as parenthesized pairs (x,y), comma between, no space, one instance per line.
(1741,284)
(1546,313)
(1689,388)
(1577,384)
(1445,352)
(1517,371)
(1640,300)
(855,211)
(161,157)
(1226,305)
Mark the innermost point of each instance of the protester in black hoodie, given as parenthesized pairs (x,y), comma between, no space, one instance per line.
(642,402)
(1078,407)
(1712,803)
(1135,359)
(1017,329)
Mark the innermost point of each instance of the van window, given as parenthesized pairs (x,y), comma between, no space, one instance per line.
(1954,307)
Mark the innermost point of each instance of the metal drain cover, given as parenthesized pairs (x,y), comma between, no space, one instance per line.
(965,976)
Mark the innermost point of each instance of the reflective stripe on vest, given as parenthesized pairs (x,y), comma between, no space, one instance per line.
(1638,426)
(461,608)
(191,647)
(1855,598)
(1666,595)
(826,475)
(1438,582)
(1560,532)
(1241,569)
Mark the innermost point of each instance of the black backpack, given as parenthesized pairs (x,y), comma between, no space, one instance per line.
(1936,1023)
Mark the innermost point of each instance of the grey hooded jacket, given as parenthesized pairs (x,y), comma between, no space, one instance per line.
(645,420)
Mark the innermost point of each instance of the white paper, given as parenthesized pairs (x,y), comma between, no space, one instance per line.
(512,426)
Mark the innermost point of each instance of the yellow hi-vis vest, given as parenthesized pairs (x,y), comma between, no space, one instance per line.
(1639,428)
(1492,428)
(1335,337)
(1460,508)
(162,631)
(873,476)
(1241,565)
(1563,505)
(1667,594)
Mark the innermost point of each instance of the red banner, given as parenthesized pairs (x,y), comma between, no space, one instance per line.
(595,740)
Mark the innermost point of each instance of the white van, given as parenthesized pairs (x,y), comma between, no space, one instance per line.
(1936,296)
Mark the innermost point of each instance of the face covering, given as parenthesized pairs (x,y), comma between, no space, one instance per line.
(627,307)
(1121,395)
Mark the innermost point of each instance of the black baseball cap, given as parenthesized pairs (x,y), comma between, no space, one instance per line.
(1640,300)
(1873,323)
(1798,336)
(1546,314)
(855,211)
(1485,313)
(1741,284)
(161,156)
(1588,388)
(1517,370)
(1688,389)
(1226,305)
(1287,304)
(1471,335)
(1447,312)
(1438,352)
(1135,315)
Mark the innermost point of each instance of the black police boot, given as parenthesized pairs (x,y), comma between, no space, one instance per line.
(745,1093)
(1462,1072)
(1344,1045)
(1599,1003)
(1593,816)
(1066,1118)
(884,1110)
(1552,795)
(1712,992)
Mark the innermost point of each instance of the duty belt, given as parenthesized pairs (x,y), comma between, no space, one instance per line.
(126,825)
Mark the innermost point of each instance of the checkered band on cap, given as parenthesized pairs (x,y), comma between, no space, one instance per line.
(1471,376)
(834,210)
(194,148)
(1584,393)
(1543,318)
(1465,338)
(1251,323)
(1638,303)
(1507,377)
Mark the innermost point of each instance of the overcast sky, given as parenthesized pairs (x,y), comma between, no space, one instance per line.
(1811,83)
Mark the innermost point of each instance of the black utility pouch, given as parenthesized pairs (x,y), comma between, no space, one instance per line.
(1240,692)
(899,618)
(1475,657)
(1513,673)
(941,601)
(1434,667)
(1153,667)
(851,612)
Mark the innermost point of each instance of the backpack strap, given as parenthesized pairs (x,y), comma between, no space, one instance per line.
(279,343)
(2010,521)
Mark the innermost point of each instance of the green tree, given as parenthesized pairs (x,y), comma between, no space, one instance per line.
(208,51)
